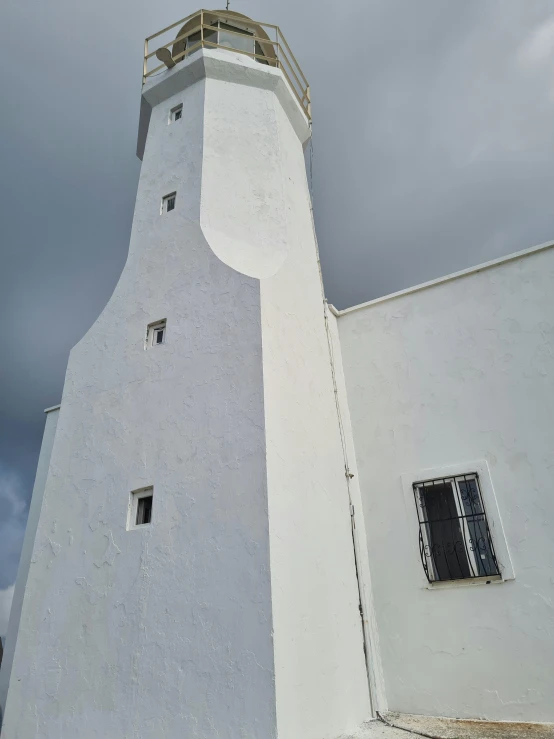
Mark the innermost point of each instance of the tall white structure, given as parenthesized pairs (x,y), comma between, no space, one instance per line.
(196,561)
(205,384)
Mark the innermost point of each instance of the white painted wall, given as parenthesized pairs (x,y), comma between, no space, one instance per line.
(266,230)
(321,682)
(462,370)
(165,631)
(172,630)
(371,631)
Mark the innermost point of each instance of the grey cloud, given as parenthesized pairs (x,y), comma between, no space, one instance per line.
(12,523)
(6,597)
(433,143)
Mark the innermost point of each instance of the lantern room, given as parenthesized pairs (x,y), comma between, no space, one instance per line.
(229,31)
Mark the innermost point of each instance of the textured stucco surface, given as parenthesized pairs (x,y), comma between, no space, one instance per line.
(460,371)
(320,675)
(266,231)
(167,631)
(375,671)
(164,631)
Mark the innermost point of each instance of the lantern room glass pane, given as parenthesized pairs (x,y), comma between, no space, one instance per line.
(240,39)
(260,51)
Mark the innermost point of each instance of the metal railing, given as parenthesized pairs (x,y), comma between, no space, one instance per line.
(203,30)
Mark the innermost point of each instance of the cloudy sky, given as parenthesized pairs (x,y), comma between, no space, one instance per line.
(433,144)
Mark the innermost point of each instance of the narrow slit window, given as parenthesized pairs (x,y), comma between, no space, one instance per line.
(176,113)
(168,202)
(455,541)
(140,508)
(155,334)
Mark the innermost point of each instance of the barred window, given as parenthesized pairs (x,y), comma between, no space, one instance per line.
(455,542)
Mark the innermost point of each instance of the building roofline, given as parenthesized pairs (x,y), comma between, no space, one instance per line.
(52,408)
(447,278)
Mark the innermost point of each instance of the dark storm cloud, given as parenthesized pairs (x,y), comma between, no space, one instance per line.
(433,144)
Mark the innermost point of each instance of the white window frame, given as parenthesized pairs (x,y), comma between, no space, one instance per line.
(173,112)
(165,203)
(492,513)
(134,498)
(151,332)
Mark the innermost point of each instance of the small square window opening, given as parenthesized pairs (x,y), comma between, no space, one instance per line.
(140,508)
(155,334)
(168,202)
(455,541)
(175,114)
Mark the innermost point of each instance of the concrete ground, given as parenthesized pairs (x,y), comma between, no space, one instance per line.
(404,726)
(378,730)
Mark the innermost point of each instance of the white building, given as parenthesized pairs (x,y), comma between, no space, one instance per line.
(237,471)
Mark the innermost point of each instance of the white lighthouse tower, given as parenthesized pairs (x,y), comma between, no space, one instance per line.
(189,568)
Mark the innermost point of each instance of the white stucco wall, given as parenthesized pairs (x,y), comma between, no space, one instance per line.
(359,532)
(164,631)
(266,231)
(321,682)
(172,630)
(460,371)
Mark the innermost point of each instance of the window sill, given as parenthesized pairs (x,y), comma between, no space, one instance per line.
(446,584)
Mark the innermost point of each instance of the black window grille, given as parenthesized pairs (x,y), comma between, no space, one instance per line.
(455,542)
(178,114)
(170,202)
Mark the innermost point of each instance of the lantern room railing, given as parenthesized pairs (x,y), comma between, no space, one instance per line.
(205,28)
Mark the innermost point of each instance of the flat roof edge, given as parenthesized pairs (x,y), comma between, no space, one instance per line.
(453,276)
(52,408)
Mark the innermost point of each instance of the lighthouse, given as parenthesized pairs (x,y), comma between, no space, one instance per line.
(190,568)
